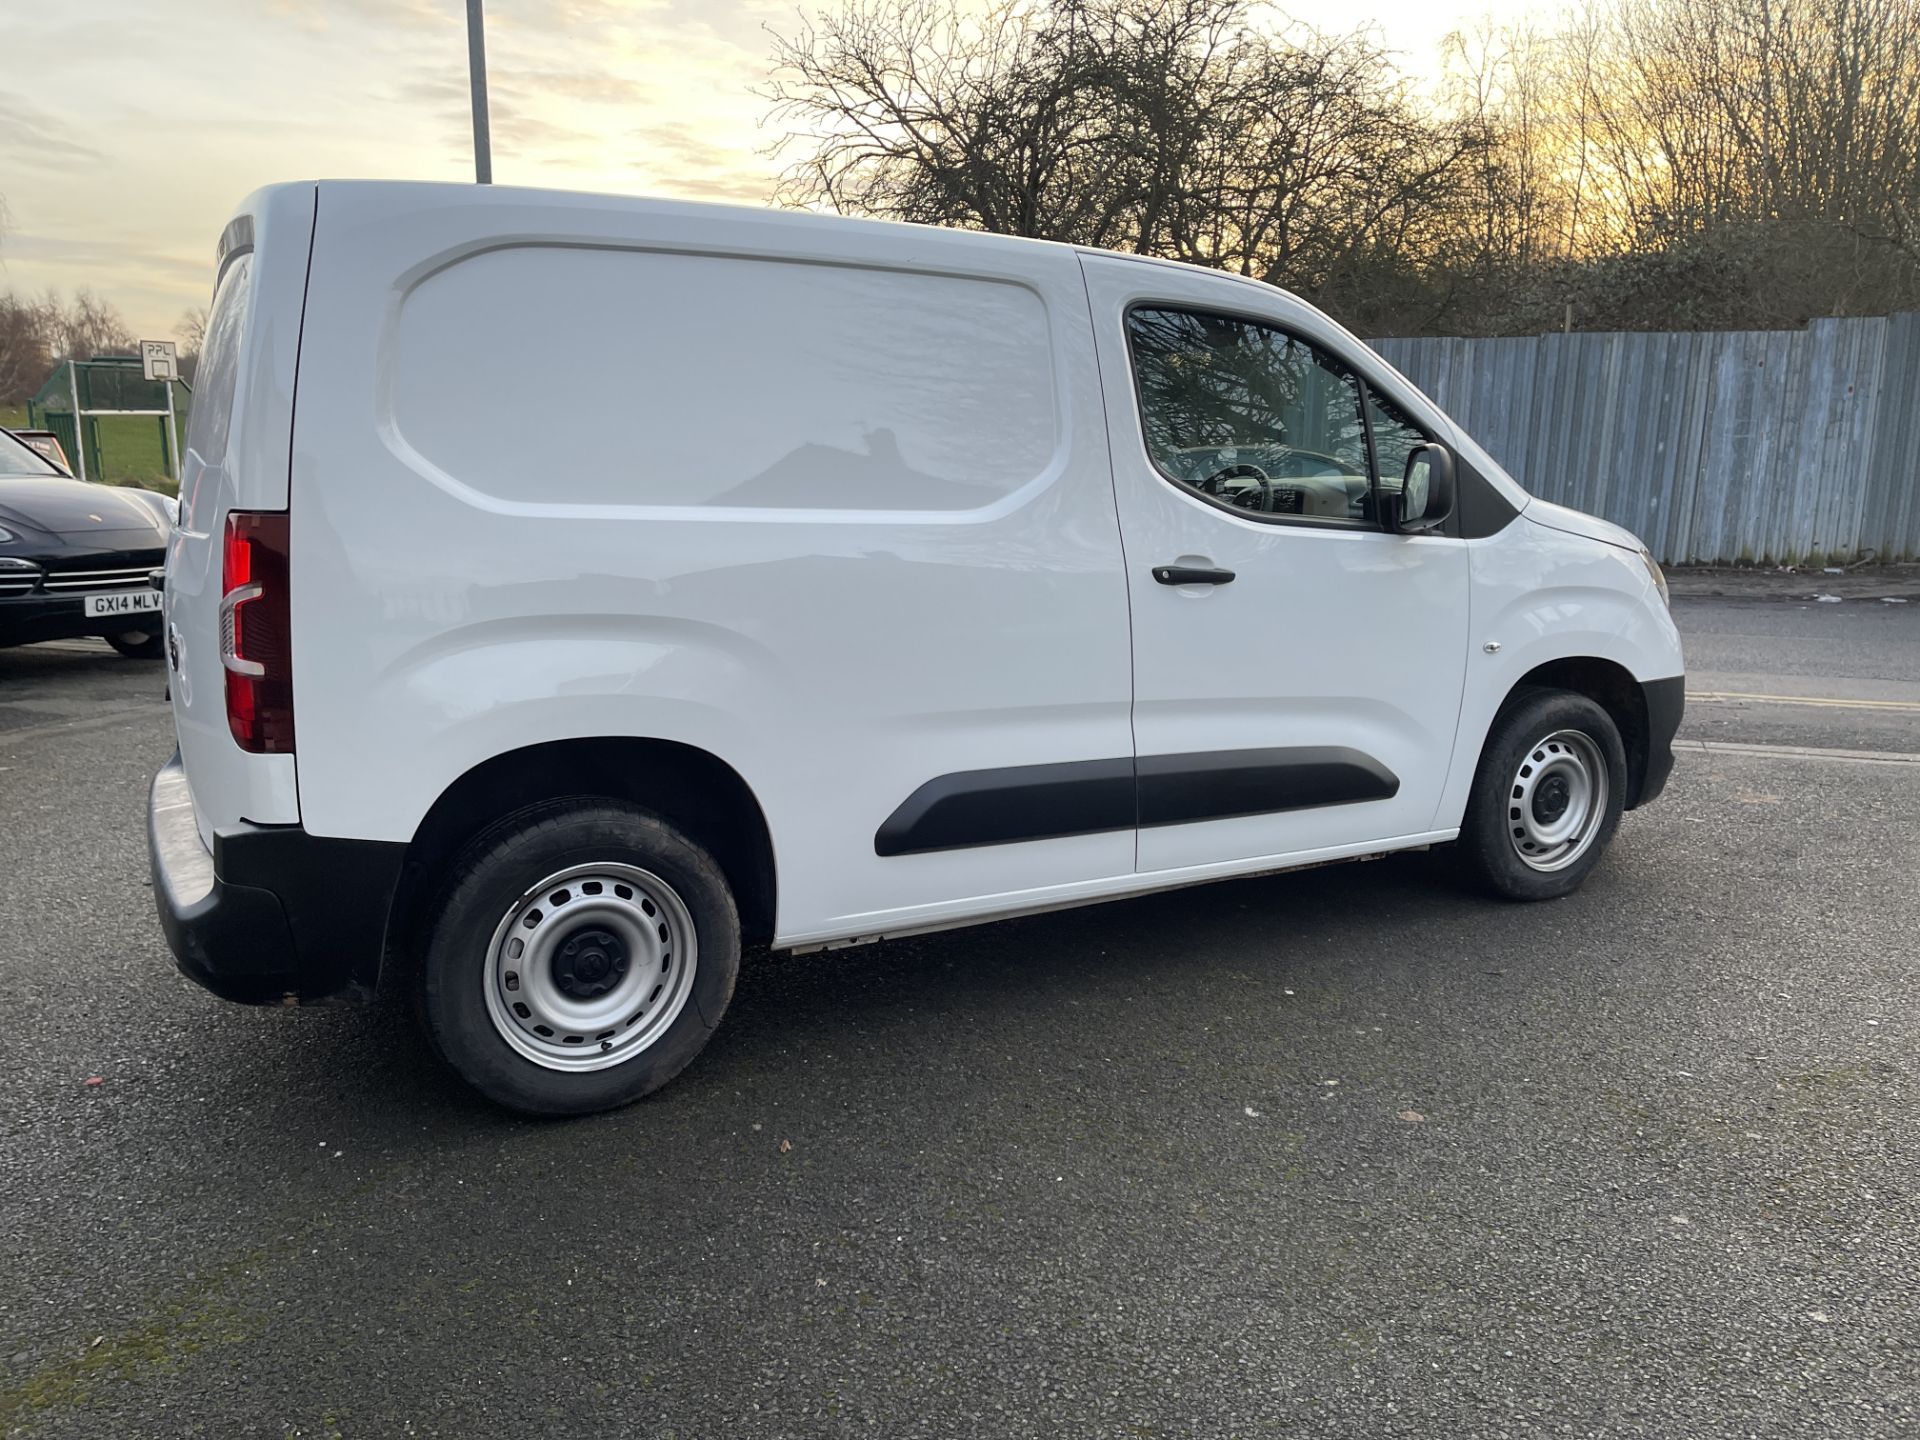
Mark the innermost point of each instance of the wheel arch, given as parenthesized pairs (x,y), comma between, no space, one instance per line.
(1612,687)
(693,789)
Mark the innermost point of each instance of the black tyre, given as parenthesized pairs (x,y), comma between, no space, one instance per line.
(139,644)
(579,956)
(1547,797)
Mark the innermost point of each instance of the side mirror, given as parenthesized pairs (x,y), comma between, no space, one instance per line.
(1426,493)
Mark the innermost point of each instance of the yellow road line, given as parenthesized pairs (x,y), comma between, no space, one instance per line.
(1902,707)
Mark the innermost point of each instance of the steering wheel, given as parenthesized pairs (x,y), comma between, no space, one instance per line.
(1259,496)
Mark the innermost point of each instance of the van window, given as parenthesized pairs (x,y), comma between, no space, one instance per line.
(602,376)
(1251,417)
(216,380)
(1394,438)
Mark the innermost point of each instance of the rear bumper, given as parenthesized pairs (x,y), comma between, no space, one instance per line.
(273,915)
(27,619)
(1666,704)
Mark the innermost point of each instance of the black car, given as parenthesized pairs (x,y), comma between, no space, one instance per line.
(75,558)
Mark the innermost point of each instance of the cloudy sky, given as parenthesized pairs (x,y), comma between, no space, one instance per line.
(129,128)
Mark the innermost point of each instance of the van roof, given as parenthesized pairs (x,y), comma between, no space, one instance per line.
(432,192)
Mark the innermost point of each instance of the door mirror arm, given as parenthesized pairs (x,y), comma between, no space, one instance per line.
(1426,495)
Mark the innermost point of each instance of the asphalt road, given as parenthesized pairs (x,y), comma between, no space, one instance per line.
(1844,676)
(1345,1153)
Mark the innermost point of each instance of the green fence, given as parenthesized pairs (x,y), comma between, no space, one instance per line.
(112,421)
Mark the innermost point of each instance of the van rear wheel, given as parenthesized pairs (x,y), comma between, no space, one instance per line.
(581,955)
(1547,797)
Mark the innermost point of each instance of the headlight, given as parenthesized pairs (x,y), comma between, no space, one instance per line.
(1659,578)
(6,535)
(172,507)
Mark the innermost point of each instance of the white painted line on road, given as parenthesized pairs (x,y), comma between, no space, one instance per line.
(1904,707)
(1794,752)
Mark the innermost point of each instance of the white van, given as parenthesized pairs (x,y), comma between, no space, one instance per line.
(570,589)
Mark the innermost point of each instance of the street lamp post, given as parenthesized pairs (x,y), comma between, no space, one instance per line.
(477,73)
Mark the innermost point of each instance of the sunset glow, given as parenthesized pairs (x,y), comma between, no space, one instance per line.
(119,185)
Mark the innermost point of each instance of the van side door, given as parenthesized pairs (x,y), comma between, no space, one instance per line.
(1297,666)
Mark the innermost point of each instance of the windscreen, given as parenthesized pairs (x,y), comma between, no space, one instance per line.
(17,458)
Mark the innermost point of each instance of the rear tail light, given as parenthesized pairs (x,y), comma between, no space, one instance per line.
(255,633)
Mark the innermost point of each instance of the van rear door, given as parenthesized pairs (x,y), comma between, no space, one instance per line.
(239,434)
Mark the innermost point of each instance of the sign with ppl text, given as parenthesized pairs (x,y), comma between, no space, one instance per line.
(159,360)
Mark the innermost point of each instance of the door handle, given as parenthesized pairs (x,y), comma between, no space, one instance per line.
(1191,575)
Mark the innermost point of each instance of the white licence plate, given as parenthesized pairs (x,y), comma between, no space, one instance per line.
(132,602)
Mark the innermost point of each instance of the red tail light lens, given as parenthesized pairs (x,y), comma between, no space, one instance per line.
(256,636)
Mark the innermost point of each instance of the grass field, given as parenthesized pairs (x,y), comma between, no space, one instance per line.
(132,448)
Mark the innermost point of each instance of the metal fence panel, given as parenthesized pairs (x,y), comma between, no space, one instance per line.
(1778,447)
(1891,508)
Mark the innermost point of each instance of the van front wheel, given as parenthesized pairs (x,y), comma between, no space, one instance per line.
(1547,797)
(582,954)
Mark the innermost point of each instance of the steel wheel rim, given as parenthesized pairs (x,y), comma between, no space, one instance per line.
(643,934)
(1557,798)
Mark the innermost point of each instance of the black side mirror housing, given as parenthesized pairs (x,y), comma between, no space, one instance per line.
(1426,491)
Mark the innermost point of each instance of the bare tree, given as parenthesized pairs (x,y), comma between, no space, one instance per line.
(920,110)
(37,334)
(1173,127)
(89,326)
(1676,163)
(1651,163)
(191,329)
(1320,172)
(1785,128)
(1502,83)
(26,349)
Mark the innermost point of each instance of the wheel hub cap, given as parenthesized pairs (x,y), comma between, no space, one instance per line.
(1551,798)
(1557,800)
(590,966)
(590,962)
